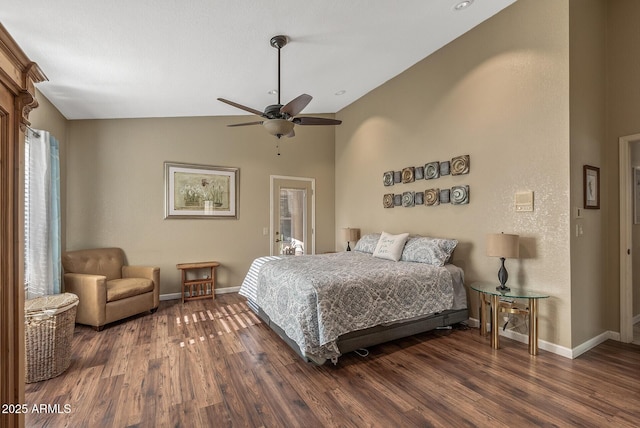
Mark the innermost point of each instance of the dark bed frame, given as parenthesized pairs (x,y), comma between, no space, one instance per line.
(379,334)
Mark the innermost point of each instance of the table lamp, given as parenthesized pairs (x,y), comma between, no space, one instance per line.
(350,235)
(505,246)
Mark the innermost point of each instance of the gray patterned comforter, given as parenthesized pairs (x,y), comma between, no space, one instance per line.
(315,299)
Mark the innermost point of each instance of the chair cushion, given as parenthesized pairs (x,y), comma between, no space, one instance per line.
(98,261)
(119,289)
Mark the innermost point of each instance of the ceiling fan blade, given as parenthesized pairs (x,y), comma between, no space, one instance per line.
(296,105)
(259,122)
(315,121)
(241,107)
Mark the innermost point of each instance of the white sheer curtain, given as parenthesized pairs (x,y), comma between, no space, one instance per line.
(42,215)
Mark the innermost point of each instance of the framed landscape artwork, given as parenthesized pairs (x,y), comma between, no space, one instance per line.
(200,191)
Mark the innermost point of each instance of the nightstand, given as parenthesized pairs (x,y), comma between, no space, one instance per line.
(198,288)
(489,295)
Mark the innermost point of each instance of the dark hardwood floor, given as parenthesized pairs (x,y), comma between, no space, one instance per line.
(213,364)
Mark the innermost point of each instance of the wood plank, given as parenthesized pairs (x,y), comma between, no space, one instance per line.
(158,370)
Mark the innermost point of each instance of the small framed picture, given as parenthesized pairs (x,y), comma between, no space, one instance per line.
(636,195)
(591,187)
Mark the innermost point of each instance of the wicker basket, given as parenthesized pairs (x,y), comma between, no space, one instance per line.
(48,322)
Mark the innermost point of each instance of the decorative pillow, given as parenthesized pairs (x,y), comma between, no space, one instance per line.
(390,246)
(367,244)
(432,251)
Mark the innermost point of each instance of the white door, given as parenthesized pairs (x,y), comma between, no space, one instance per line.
(292,215)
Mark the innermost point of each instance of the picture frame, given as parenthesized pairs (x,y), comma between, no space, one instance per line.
(591,183)
(636,195)
(201,191)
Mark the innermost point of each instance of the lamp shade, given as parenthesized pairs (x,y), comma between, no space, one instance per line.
(503,245)
(350,234)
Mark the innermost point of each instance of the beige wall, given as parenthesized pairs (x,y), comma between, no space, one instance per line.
(623,105)
(587,96)
(635,250)
(500,94)
(116,189)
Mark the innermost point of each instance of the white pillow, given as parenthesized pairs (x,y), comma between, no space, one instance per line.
(390,246)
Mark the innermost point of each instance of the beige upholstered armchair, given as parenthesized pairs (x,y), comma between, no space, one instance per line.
(107,289)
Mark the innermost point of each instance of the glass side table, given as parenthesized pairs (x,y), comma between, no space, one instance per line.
(489,295)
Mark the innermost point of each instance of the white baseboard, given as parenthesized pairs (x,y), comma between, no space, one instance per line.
(524,338)
(178,296)
(593,342)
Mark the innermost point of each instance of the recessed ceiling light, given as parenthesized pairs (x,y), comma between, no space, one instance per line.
(341,92)
(463,5)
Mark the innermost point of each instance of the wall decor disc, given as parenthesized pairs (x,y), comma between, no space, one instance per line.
(460,195)
(387,178)
(408,199)
(387,200)
(432,170)
(432,197)
(407,175)
(460,165)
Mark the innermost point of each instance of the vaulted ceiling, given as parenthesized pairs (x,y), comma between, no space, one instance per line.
(166,58)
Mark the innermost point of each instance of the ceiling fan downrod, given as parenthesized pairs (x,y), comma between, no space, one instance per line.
(279,42)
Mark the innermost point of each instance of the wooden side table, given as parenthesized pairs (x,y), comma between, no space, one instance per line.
(198,288)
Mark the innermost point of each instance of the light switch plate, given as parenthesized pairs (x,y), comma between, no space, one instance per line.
(524,201)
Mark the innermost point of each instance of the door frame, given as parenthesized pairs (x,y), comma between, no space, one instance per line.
(626,238)
(272,237)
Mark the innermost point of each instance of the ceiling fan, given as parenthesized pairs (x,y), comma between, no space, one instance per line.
(279,119)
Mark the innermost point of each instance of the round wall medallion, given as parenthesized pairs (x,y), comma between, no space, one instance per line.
(460,165)
(432,197)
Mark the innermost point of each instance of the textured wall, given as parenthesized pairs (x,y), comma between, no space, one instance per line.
(587,64)
(623,105)
(500,94)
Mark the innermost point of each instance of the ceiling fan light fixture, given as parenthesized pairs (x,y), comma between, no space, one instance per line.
(278,127)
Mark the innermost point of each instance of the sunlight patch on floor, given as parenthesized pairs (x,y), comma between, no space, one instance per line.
(226,320)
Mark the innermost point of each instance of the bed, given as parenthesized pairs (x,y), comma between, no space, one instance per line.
(326,305)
